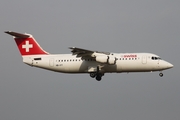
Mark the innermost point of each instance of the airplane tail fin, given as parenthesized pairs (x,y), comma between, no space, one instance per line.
(27,45)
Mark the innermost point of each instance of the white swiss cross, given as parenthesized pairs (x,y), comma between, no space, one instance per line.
(27,46)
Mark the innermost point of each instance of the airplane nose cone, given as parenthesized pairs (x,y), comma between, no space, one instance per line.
(169,65)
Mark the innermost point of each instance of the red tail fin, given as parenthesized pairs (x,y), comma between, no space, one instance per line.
(27,44)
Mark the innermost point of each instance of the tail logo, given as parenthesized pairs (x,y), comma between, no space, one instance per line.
(27,46)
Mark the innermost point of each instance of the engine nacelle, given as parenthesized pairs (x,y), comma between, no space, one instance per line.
(112,60)
(106,59)
(102,59)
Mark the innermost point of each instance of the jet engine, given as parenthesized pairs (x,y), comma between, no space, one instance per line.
(106,59)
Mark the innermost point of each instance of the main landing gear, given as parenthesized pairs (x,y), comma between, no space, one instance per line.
(161,74)
(97,75)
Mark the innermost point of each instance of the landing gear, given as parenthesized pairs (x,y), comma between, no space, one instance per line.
(97,74)
(98,77)
(93,75)
(160,74)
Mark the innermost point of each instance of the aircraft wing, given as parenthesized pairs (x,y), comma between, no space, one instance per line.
(79,52)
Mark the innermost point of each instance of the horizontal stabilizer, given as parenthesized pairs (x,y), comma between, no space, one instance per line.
(17,35)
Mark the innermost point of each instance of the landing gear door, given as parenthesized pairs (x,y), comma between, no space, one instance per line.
(144,59)
(92,69)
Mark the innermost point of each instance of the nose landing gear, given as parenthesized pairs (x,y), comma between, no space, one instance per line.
(161,74)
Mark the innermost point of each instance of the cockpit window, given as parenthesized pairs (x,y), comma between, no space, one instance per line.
(155,58)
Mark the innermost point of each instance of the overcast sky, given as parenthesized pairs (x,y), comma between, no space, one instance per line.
(28,93)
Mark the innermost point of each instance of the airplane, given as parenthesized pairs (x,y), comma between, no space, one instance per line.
(81,60)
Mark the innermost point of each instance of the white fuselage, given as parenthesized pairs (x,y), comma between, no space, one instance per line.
(86,61)
(125,62)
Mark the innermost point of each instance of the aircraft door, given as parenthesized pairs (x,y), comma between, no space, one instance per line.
(51,62)
(158,63)
(144,59)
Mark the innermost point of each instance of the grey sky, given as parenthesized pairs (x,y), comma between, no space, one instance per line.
(28,93)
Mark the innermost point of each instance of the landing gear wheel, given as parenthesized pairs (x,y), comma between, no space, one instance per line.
(160,74)
(98,77)
(93,75)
